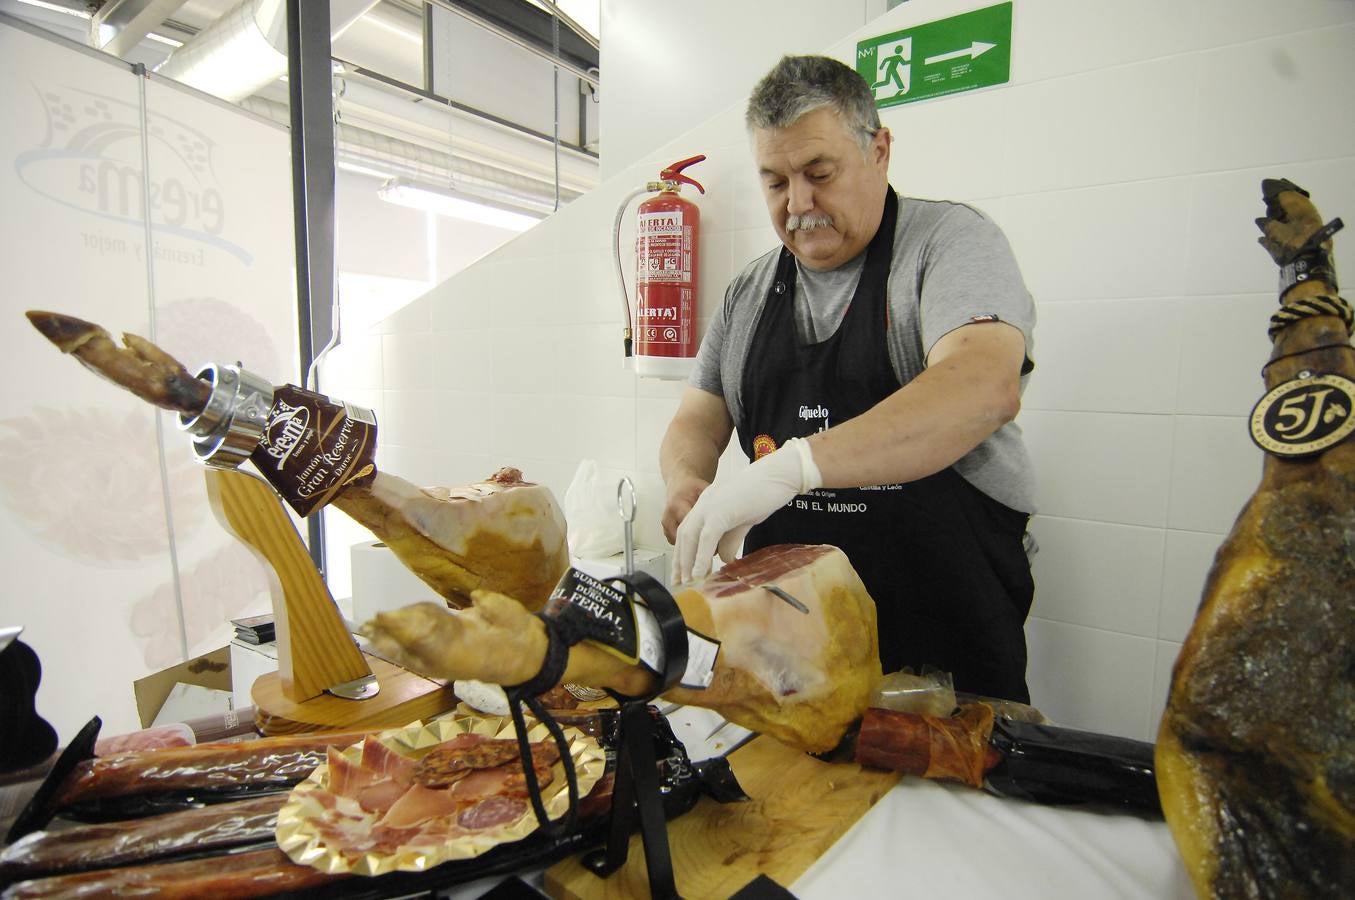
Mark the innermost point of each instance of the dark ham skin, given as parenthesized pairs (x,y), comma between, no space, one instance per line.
(261,873)
(1255,752)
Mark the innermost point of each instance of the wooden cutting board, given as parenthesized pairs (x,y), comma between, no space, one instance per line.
(800,806)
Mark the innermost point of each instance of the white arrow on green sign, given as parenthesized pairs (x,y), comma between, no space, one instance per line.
(962,53)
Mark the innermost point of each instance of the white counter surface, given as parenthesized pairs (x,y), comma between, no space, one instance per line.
(934,840)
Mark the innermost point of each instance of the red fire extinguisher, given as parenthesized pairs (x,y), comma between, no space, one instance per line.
(668,231)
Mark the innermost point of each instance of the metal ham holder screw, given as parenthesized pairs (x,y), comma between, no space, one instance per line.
(229,427)
(636,793)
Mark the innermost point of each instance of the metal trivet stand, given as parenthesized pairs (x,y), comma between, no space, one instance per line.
(636,797)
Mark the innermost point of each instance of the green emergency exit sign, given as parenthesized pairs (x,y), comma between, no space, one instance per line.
(962,53)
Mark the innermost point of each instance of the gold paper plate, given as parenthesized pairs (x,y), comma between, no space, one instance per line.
(299,832)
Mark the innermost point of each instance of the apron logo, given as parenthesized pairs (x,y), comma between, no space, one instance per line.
(815,414)
(763,444)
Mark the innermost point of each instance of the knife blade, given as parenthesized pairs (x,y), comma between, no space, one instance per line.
(724,723)
(774,589)
(786,596)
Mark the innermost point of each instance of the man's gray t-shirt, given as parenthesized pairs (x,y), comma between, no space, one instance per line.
(951,267)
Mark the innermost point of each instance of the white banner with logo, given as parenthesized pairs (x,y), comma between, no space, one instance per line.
(110,579)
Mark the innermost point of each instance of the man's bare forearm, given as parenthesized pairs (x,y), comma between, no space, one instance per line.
(934,420)
(696,437)
(686,454)
(689,454)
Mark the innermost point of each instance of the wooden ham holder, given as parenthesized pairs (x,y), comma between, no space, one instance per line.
(324,682)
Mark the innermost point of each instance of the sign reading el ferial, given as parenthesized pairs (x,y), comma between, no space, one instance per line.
(962,53)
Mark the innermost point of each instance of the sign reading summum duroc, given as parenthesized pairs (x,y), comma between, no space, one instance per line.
(962,53)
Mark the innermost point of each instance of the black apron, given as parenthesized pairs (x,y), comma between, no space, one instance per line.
(943,561)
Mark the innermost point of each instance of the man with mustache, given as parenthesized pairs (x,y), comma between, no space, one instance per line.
(872,366)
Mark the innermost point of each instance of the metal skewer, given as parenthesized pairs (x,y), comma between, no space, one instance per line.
(625,504)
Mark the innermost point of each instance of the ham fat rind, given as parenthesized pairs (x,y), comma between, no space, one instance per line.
(1255,754)
(802,677)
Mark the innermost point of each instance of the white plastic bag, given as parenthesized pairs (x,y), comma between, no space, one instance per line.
(595,526)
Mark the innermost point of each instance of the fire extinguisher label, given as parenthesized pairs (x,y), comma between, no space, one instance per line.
(664,245)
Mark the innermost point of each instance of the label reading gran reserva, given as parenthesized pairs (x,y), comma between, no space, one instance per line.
(312,447)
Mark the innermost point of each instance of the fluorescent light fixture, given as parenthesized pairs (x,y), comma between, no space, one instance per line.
(41,4)
(446,201)
(360,169)
(161,39)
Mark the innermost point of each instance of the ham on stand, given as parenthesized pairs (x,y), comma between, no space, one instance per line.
(803,676)
(502,534)
(1256,749)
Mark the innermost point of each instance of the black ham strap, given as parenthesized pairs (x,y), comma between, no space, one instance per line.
(672,632)
(560,636)
(516,700)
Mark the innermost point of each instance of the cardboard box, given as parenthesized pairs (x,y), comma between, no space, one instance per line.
(198,687)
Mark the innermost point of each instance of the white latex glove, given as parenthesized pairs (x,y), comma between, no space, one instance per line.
(725,512)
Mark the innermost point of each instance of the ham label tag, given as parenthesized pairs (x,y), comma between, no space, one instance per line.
(1305,415)
(312,447)
(590,609)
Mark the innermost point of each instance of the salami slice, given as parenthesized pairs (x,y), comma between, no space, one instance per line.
(492,812)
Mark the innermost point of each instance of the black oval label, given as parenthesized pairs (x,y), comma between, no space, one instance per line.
(1304,416)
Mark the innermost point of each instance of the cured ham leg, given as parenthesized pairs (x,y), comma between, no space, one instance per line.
(502,534)
(802,677)
(1255,754)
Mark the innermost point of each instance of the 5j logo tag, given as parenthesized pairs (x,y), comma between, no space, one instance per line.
(1305,415)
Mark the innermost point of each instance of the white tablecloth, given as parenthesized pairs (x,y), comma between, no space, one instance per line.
(931,840)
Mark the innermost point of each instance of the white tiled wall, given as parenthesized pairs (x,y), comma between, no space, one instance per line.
(1124,161)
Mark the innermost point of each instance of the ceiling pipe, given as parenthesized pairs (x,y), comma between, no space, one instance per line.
(119,25)
(246,48)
